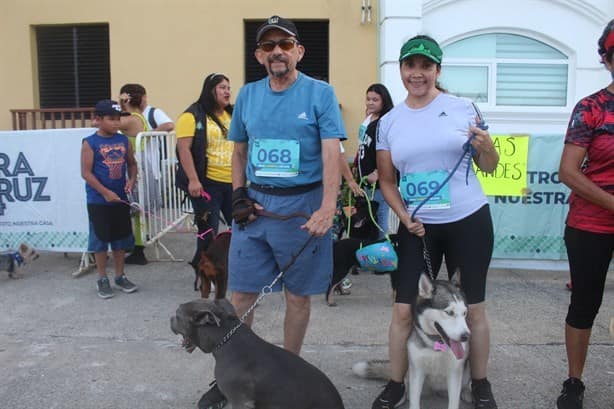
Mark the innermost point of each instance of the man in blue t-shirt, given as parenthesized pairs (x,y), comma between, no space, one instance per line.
(286,129)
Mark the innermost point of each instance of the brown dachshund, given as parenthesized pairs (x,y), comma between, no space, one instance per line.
(213,266)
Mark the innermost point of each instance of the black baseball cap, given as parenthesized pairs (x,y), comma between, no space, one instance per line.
(109,107)
(279,23)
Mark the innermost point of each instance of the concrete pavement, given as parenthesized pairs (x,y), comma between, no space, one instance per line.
(63,347)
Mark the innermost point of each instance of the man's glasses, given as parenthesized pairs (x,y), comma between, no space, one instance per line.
(285,44)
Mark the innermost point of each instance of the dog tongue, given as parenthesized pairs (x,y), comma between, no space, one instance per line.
(457,349)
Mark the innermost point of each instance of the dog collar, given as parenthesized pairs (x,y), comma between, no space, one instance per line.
(18,258)
(440,346)
(438,342)
(227,337)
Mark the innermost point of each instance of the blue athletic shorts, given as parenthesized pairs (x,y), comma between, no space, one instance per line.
(263,247)
(96,245)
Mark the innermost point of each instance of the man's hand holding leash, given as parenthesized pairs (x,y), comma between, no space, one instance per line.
(244,207)
(320,222)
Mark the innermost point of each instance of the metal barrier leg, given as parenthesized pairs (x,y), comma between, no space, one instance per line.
(87,263)
(157,245)
(156,161)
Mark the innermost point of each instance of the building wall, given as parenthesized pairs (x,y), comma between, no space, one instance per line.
(571,26)
(170,46)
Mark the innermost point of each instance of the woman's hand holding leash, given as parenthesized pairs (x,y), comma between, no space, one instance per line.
(414,226)
(482,142)
(372,177)
(486,156)
(356,190)
(194,187)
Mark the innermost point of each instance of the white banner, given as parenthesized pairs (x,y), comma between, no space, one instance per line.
(42,194)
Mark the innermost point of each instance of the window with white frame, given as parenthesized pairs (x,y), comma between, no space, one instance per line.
(505,70)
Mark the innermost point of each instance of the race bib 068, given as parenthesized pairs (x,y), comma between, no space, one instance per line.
(275,157)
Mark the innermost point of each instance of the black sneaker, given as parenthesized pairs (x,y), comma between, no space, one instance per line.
(104,288)
(124,284)
(572,394)
(391,397)
(137,256)
(482,395)
(212,399)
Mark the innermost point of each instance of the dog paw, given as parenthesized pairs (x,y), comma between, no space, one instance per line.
(466,395)
(341,291)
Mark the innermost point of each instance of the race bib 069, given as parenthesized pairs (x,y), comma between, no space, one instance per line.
(416,187)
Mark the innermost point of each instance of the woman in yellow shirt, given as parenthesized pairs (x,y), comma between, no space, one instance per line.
(205,157)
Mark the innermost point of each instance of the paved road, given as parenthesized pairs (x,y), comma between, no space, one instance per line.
(63,347)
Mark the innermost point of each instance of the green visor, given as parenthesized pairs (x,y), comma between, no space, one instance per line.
(421,46)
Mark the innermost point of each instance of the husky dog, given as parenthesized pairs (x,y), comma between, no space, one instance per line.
(438,345)
(12,262)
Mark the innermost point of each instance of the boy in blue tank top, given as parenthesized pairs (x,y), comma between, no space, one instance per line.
(106,159)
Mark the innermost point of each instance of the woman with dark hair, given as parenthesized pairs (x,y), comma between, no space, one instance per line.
(587,168)
(377,102)
(130,100)
(422,139)
(205,157)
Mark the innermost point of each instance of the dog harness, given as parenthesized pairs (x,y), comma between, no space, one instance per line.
(15,259)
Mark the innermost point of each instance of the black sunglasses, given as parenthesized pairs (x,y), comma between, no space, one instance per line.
(285,44)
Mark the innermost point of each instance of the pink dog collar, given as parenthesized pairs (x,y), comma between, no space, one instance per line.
(440,346)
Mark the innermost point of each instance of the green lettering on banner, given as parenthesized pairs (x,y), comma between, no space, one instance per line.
(531,226)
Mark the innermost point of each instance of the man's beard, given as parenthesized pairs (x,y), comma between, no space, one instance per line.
(278,73)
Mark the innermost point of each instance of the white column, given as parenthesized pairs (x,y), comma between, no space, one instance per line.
(399,20)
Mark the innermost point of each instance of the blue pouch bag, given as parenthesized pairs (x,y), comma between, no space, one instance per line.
(379,257)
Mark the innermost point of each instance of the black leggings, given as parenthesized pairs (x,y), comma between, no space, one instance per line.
(589,259)
(467,245)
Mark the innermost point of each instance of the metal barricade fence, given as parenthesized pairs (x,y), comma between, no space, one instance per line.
(163,208)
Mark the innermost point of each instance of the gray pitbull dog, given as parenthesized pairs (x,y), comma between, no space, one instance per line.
(251,372)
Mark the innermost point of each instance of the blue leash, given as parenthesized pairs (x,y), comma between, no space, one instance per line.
(467,149)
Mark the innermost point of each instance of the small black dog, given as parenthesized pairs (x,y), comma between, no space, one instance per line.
(361,223)
(362,231)
(344,261)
